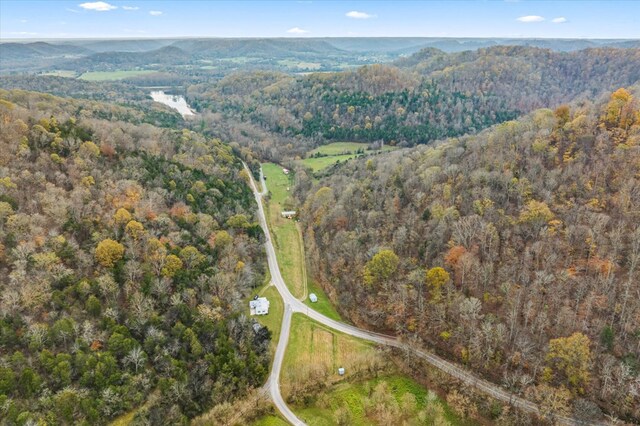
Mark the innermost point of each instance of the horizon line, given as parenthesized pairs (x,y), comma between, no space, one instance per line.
(9,39)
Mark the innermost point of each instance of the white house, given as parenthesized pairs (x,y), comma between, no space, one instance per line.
(285,171)
(288,214)
(259,306)
(313,298)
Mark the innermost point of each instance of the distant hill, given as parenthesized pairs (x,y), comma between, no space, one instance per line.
(429,96)
(256,53)
(40,49)
(409,45)
(168,55)
(265,48)
(143,45)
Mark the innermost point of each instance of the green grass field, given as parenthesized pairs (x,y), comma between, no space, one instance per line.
(336,152)
(340,148)
(323,305)
(315,352)
(314,348)
(319,163)
(112,75)
(270,421)
(285,233)
(357,400)
(300,64)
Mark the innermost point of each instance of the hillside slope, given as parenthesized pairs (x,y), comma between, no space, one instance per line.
(125,253)
(515,252)
(431,96)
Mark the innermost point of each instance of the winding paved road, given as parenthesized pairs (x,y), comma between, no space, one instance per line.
(291,305)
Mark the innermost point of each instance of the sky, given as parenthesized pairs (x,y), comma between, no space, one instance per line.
(318,18)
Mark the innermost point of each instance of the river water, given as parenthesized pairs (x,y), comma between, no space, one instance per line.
(176,102)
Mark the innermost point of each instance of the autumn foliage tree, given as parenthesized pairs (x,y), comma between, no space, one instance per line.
(381,267)
(436,277)
(108,252)
(571,357)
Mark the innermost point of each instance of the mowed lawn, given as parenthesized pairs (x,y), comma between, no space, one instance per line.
(284,232)
(113,75)
(323,305)
(273,320)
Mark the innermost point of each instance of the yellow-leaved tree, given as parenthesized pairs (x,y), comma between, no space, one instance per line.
(172,264)
(435,278)
(571,357)
(109,252)
(381,267)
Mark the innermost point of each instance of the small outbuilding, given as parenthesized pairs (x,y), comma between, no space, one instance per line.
(341,371)
(259,306)
(285,171)
(288,214)
(313,298)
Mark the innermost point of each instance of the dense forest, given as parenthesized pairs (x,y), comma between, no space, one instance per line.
(429,96)
(125,253)
(515,252)
(140,106)
(503,233)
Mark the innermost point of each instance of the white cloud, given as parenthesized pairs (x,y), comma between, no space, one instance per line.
(296,30)
(21,33)
(72,10)
(530,18)
(23,21)
(155,13)
(130,7)
(359,15)
(560,20)
(98,6)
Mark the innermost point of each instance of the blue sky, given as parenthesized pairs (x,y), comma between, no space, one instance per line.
(480,18)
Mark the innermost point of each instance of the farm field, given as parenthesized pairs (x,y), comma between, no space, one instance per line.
(300,64)
(113,75)
(336,152)
(359,398)
(339,148)
(320,163)
(315,350)
(286,236)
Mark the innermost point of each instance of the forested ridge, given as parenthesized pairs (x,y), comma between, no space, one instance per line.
(429,96)
(138,105)
(125,253)
(515,252)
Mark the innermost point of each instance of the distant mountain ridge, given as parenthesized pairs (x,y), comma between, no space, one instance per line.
(20,56)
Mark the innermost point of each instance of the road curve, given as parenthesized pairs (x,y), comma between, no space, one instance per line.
(292,305)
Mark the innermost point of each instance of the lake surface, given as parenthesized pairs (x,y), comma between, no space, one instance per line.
(176,102)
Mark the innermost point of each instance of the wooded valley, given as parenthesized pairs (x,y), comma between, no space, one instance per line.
(475,198)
